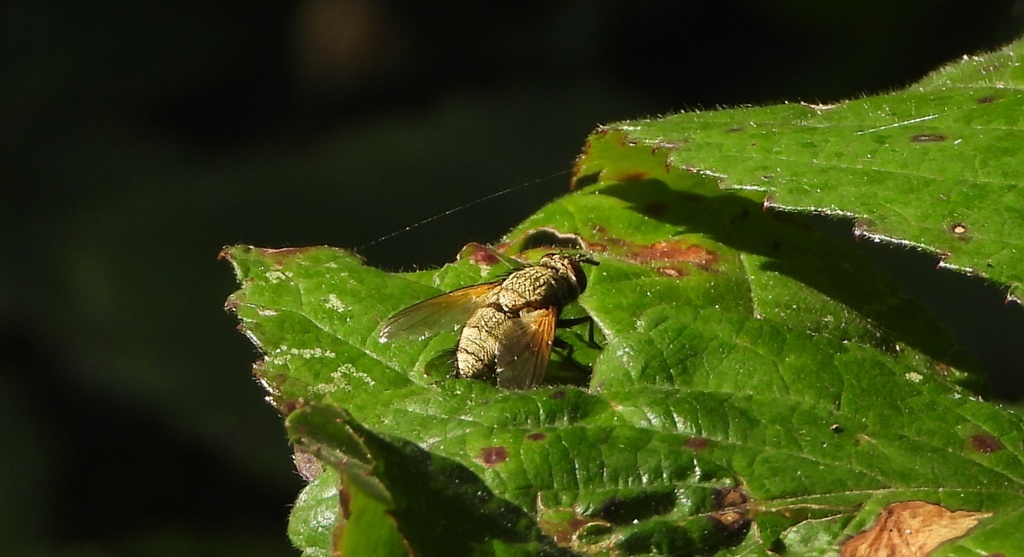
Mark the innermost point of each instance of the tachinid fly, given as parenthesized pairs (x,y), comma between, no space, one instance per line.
(508,326)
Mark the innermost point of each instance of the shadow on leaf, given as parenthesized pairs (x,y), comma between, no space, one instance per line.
(791,247)
(440,507)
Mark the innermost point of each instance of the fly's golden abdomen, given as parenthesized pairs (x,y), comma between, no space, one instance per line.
(477,350)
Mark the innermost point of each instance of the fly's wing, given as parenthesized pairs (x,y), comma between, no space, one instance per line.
(435,314)
(523,356)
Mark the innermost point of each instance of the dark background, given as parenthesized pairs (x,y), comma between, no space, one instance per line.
(138,138)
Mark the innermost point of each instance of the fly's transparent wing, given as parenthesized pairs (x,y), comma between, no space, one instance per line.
(523,356)
(435,314)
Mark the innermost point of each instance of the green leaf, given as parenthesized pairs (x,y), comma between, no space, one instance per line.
(936,166)
(314,517)
(439,506)
(365,527)
(759,386)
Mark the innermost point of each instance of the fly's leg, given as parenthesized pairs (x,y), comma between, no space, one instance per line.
(576,373)
(580,369)
(564,346)
(572,322)
(568,348)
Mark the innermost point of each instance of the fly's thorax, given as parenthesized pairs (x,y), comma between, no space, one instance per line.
(551,283)
(477,351)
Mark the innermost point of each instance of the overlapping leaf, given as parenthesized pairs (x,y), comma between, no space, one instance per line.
(937,166)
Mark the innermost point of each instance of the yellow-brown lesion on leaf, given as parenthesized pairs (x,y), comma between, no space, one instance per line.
(910,528)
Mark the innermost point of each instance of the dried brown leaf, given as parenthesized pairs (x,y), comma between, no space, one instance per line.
(910,529)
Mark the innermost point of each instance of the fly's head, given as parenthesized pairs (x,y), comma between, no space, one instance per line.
(567,265)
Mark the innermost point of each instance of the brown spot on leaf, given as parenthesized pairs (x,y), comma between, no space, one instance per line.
(910,529)
(697,443)
(730,497)
(732,511)
(984,443)
(928,138)
(733,522)
(480,254)
(557,395)
(664,256)
(536,436)
(986,99)
(577,522)
(493,456)
(734,129)
(836,428)
(666,251)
